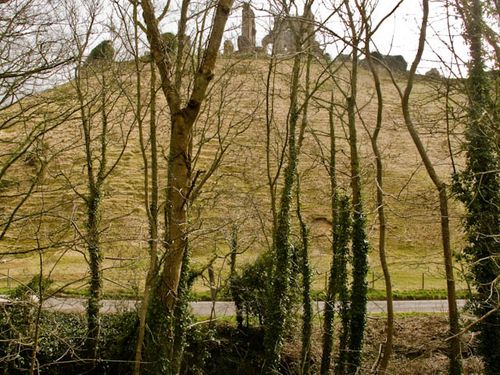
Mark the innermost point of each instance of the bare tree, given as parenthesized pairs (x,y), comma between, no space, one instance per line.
(455,346)
(381,365)
(32,53)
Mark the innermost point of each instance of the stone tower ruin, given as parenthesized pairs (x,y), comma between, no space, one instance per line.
(246,41)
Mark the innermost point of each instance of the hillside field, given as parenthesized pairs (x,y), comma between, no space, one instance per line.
(236,196)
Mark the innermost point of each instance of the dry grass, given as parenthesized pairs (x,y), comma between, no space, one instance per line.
(238,192)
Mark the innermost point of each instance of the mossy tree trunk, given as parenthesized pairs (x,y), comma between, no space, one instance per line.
(179,181)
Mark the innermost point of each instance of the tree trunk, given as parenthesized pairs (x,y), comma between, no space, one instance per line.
(277,311)
(455,348)
(381,367)
(179,160)
(359,240)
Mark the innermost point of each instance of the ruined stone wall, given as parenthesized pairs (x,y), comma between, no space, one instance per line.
(285,32)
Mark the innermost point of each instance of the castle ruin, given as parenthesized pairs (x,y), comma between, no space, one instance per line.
(283,37)
(287,31)
(246,41)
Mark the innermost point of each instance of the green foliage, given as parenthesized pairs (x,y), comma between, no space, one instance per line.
(197,354)
(249,287)
(359,290)
(411,295)
(23,291)
(478,187)
(224,350)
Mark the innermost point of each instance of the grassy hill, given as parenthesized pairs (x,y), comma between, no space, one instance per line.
(233,124)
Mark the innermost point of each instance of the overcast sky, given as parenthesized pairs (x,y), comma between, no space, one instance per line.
(397,36)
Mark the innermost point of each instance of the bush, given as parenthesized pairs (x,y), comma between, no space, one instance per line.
(24,291)
(249,288)
(61,342)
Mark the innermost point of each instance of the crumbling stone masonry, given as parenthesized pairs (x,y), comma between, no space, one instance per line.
(246,41)
(395,63)
(285,32)
(228,48)
(283,37)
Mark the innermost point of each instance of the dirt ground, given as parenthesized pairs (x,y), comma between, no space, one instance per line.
(419,346)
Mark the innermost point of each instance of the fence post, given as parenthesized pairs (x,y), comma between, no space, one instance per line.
(423,280)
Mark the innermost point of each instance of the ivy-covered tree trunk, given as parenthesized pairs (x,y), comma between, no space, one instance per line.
(278,305)
(95,265)
(93,199)
(479,188)
(359,287)
(359,239)
(307,312)
(343,235)
(337,279)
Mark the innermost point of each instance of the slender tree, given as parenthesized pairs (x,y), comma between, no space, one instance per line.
(381,366)
(151,185)
(455,353)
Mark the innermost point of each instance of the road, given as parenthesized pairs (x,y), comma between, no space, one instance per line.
(204,308)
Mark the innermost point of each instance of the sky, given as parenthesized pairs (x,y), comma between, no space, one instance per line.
(398,35)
